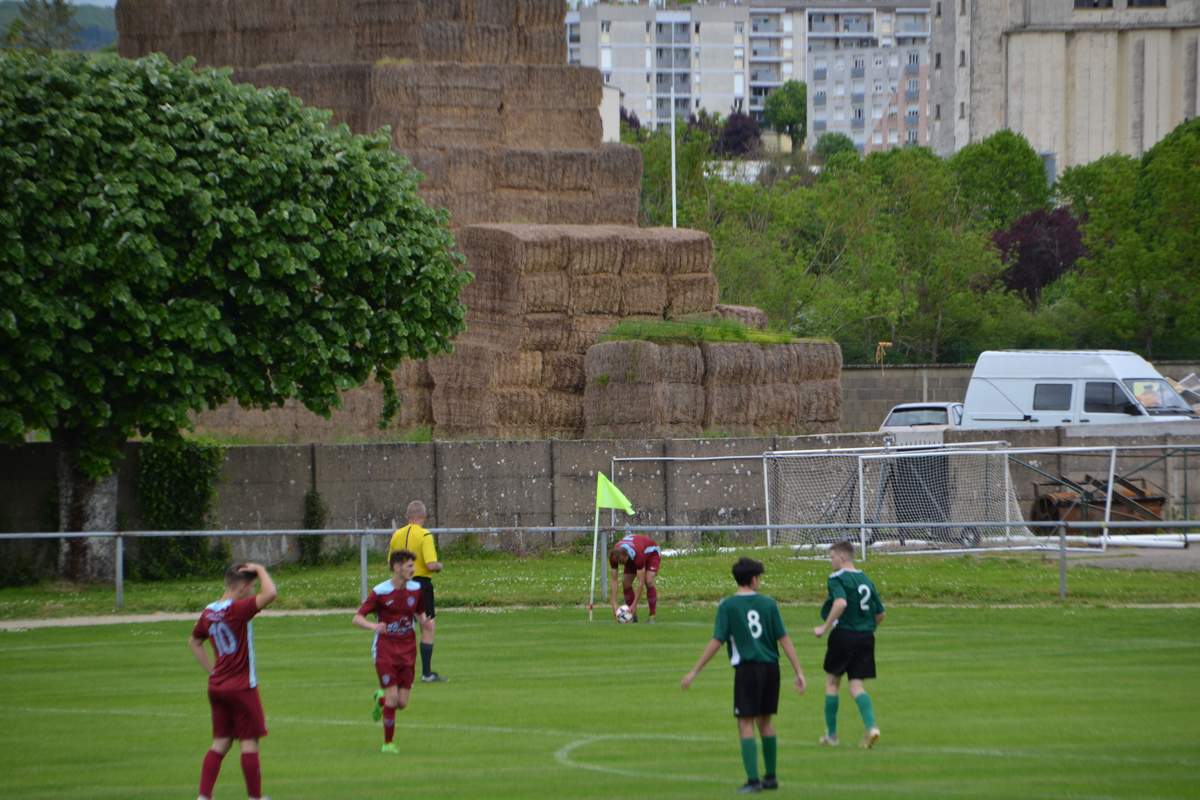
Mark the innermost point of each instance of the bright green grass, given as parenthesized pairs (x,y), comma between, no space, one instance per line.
(973,703)
(695,331)
(562,579)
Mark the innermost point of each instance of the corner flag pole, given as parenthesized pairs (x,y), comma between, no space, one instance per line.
(595,545)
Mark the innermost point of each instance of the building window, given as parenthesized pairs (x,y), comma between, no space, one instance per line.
(608,77)
(877,112)
(878,87)
(938,10)
(647,27)
(1147,3)
(914,58)
(737,104)
(962,6)
(962,110)
(912,85)
(819,97)
(605,26)
(647,77)
(878,61)
(962,58)
(1095,3)
(894,60)
(893,137)
(878,138)
(912,136)
(937,111)
(860,62)
(937,60)
(839,91)
(858,112)
(739,27)
(697,27)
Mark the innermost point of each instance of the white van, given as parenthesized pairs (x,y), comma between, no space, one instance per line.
(1046,388)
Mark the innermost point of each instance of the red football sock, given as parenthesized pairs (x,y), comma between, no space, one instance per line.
(253,773)
(389,724)
(652,599)
(209,772)
(629,595)
(383,701)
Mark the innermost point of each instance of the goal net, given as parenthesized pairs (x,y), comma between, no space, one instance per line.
(926,498)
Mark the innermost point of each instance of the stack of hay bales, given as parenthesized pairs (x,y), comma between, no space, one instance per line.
(542,296)
(641,389)
(247,33)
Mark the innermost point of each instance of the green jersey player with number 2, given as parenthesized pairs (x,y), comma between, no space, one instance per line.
(749,624)
(852,610)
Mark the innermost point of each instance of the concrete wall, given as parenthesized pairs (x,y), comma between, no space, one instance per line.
(542,483)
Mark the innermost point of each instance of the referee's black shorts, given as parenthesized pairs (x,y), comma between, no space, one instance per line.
(755,688)
(850,653)
(427,595)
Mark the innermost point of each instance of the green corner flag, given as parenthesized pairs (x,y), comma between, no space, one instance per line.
(609,496)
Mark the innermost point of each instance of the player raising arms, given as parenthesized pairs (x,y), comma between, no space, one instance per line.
(853,610)
(237,711)
(641,559)
(396,603)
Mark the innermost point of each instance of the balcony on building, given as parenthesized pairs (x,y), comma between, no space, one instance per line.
(765,53)
(857,123)
(765,27)
(912,25)
(912,120)
(679,59)
(912,69)
(858,72)
(823,26)
(663,34)
(819,100)
(818,125)
(855,26)
(820,74)
(857,97)
(912,95)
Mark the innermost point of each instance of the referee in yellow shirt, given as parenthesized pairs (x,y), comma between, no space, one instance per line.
(419,541)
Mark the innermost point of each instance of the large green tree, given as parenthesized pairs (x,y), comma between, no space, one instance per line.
(1000,179)
(830,145)
(170,240)
(786,111)
(43,25)
(1141,227)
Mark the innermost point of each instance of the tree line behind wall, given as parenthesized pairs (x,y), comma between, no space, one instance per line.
(940,259)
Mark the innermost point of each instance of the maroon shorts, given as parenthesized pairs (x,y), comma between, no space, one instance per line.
(653,561)
(395,672)
(237,714)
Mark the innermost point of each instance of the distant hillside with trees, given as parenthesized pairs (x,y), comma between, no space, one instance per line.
(97,24)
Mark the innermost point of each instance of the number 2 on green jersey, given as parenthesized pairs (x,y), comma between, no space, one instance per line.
(864,604)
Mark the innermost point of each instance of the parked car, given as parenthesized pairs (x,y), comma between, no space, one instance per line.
(1046,388)
(930,416)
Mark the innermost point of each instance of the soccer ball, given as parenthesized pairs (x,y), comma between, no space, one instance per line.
(624,614)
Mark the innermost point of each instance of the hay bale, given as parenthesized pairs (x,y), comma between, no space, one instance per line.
(595,250)
(548,332)
(730,408)
(444,41)
(551,129)
(643,295)
(520,206)
(587,330)
(617,208)
(448,126)
(563,412)
(821,400)
(542,44)
(557,87)
(519,370)
(519,409)
(496,12)
(545,292)
(618,166)
(416,407)
(687,252)
(468,169)
(471,365)
(495,289)
(543,248)
(609,404)
(691,294)
(751,317)
(595,294)
(461,410)
(466,208)
(521,169)
(563,371)
(452,10)
(570,170)
(778,407)
(539,12)
(733,364)
(458,85)
(683,407)
(645,252)
(572,208)
(413,374)
(820,360)
(622,362)
(432,166)
(396,86)
(782,363)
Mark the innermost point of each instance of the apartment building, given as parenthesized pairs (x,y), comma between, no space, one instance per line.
(866,63)
(646,50)
(1078,78)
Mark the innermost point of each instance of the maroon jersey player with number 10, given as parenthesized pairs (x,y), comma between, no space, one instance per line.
(232,681)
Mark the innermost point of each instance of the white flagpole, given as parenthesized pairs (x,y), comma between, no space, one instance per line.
(595,544)
(674,223)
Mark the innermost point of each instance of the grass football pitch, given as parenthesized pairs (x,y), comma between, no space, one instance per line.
(1050,702)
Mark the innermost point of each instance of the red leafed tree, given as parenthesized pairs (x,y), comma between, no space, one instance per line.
(1038,249)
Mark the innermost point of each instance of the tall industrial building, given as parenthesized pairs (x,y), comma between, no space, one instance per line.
(1078,78)
(866,63)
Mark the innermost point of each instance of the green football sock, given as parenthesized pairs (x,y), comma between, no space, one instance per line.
(750,758)
(831,707)
(867,711)
(769,751)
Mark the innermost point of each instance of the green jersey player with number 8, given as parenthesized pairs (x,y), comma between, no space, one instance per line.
(749,625)
(852,610)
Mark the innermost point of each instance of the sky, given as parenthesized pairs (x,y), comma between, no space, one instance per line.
(105,3)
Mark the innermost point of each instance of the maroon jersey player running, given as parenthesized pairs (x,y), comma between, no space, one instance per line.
(641,558)
(396,603)
(237,712)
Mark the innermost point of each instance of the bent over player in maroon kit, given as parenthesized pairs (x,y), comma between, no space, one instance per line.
(641,558)
(237,711)
(396,603)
